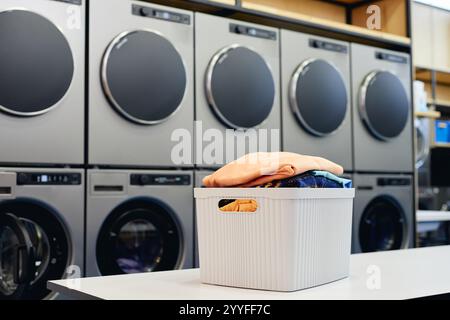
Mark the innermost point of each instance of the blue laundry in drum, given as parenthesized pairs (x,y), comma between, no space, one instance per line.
(311,179)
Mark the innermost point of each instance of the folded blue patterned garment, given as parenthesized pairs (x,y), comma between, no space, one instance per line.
(311,179)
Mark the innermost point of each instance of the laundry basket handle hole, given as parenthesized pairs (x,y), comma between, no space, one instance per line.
(237,205)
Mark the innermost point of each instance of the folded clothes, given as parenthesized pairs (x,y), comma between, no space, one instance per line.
(256,169)
(240,205)
(310,179)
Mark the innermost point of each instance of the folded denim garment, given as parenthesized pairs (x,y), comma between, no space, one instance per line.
(310,179)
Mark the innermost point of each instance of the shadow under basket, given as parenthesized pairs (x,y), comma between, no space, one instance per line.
(288,239)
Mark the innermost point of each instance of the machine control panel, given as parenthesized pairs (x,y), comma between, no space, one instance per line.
(252,32)
(149,12)
(160,179)
(391,57)
(394,182)
(45,178)
(319,44)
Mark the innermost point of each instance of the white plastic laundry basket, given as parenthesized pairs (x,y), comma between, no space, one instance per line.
(296,239)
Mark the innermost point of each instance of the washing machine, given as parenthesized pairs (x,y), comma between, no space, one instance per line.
(383,214)
(139,221)
(382,110)
(141,82)
(237,87)
(316,99)
(42,81)
(41,230)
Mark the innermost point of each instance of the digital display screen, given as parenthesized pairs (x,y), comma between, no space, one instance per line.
(151,179)
(24,178)
(162,15)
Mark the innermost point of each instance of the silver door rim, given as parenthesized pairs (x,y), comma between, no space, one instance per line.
(208,84)
(37,113)
(423,153)
(362,104)
(107,89)
(406,222)
(295,108)
(63,224)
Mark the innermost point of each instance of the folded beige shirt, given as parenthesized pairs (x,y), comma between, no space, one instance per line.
(255,169)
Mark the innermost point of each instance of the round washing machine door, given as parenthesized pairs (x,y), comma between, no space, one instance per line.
(382,226)
(318,97)
(36,63)
(383,105)
(422,141)
(240,87)
(34,248)
(140,235)
(143,76)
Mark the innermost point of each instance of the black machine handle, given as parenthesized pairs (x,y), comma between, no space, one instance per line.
(109,188)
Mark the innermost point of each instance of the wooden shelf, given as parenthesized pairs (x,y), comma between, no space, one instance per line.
(228,2)
(326,18)
(428,114)
(318,17)
(440,145)
(354,2)
(437,86)
(442,103)
(442,76)
(439,103)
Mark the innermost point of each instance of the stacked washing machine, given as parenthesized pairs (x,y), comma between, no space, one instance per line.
(139,202)
(352,104)
(42,144)
(316,108)
(237,86)
(383,150)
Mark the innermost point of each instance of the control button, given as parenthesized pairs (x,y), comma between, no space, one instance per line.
(22,178)
(240,30)
(144,179)
(379,55)
(145,12)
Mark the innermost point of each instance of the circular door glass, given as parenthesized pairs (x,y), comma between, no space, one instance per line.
(382,226)
(240,87)
(36,63)
(144,77)
(9,242)
(318,97)
(49,241)
(384,105)
(139,247)
(139,236)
